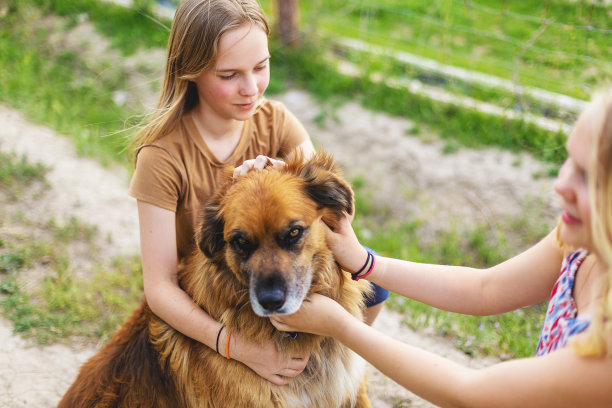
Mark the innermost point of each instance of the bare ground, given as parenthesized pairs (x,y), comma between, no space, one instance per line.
(407,176)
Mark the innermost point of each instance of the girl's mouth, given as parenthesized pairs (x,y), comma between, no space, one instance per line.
(569,219)
(246,106)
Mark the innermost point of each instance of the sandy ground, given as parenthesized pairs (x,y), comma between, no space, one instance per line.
(408,177)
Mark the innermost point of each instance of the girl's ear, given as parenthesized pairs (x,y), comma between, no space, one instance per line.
(210,234)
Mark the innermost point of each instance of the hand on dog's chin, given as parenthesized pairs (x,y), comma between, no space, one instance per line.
(318,315)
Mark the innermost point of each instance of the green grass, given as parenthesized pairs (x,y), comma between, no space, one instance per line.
(66,306)
(66,302)
(16,173)
(388,67)
(129,29)
(61,90)
(465,126)
(483,35)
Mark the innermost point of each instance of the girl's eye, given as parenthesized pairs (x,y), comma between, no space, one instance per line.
(226,77)
(261,67)
(582,174)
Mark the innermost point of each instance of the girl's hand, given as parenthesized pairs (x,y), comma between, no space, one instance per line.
(343,242)
(266,361)
(257,163)
(318,315)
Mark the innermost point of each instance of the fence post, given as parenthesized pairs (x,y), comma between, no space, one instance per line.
(288,26)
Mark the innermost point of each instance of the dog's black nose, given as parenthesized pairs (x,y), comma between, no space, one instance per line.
(271,293)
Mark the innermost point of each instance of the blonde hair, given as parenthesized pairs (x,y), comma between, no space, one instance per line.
(192,48)
(596,339)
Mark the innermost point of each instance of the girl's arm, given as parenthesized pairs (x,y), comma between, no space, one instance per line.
(168,301)
(307,148)
(561,379)
(523,280)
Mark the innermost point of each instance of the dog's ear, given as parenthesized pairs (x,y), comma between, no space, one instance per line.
(326,186)
(210,234)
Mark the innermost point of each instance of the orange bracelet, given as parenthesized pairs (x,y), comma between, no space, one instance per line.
(229,334)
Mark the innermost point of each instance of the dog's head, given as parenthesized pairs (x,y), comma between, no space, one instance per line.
(267,228)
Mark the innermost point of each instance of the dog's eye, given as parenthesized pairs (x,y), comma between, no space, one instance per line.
(242,244)
(294,235)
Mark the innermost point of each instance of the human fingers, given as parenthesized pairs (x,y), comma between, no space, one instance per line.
(298,362)
(312,317)
(243,168)
(293,366)
(279,324)
(261,161)
(257,163)
(345,246)
(277,164)
(277,379)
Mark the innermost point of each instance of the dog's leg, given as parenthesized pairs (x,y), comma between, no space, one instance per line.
(362,396)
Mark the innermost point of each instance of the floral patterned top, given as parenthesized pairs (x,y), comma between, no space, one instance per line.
(561,321)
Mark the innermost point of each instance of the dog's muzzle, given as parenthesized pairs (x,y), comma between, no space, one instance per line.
(271,294)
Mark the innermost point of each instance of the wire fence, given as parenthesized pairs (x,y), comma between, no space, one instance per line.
(560,46)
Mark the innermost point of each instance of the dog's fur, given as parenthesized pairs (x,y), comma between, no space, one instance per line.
(262,250)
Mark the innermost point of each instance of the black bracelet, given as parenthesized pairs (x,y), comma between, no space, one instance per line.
(355,276)
(218,335)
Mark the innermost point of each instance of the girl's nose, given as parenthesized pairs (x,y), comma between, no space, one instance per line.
(248,85)
(563,183)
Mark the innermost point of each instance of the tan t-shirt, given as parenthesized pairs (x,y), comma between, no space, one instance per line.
(179,173)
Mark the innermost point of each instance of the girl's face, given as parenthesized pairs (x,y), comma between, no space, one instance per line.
(233,86)
(572,184)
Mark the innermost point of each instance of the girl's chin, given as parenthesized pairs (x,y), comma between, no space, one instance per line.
(570,235)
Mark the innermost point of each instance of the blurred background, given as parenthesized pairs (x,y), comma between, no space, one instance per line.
(460,76)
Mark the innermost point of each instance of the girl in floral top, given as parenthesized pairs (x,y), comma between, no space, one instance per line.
(573,366)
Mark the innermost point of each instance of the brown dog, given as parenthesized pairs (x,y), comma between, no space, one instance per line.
(263,250)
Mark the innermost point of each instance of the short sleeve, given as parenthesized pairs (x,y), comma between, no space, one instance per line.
(292,131)
(157,178)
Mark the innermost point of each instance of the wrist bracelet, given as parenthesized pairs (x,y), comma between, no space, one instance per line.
(218,335)
(229,334)
(370,260)
(369,270)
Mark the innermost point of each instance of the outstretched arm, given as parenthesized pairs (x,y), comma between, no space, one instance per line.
(520,281)
(560,379)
